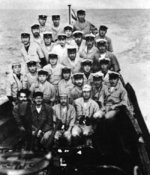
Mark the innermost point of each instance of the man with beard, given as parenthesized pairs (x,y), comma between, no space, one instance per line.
(56,27)
(102,35)
(31,49)
(113,96)
(82,24)
(97,87)
(67,115)
(102,53)
(42,22)
(80,42)
(72,60)
(35,29)
(47,44)
(89,51)
(76,91)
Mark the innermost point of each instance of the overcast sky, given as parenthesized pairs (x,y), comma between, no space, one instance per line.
(62,4)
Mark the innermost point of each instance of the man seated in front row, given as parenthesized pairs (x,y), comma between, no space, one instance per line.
(67,115)
(87,110)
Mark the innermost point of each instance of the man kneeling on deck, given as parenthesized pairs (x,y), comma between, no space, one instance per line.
(113,96)
(65,113)
(87,111)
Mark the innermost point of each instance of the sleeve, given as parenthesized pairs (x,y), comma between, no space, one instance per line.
(110,47)
(8,86)
(102,97)
(78,108)
(73,118)
(96,107)
(49,122)
(25,82)
(124,99)
(39,52)
(53,92)
(16,116)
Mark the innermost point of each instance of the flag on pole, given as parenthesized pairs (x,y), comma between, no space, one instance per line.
(73,16)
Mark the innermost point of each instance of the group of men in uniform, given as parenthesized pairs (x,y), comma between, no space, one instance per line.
(71,75)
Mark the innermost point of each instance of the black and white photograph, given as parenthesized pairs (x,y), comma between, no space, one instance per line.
(74,87)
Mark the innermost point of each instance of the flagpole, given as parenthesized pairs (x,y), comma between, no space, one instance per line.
(69,6)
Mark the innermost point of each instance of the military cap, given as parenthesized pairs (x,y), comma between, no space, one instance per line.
(37,94)
(89,36)
(101,41)
(35,26)
(104,60)
(103,27)
(78,76)
(77,33)
(71,49)
(47,35)
(86,87)
(31,62)
(43,17)
(25,35)
(66,70)
(113,75)
(87,62)
(81,12)
(68,27)
(98,76)
(61,36)
(16,64)
(55,17)
(52,55)
(42,72)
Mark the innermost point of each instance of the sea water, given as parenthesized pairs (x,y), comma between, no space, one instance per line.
(128,29)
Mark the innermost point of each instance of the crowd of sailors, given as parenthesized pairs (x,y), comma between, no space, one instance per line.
(71,74)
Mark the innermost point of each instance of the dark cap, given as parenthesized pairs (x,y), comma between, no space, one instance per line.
(44,17)
(42,72)
(81,12)
(35,26)
(98,76)
(25,35)
(78,76)
(102,27)
(68,27)
(55,17)
(89,36)
(66,70)
(114,75)
(52,56)
(37,94)
(87,62)
(104,61)
(62,36)
(31,63)
(47,35)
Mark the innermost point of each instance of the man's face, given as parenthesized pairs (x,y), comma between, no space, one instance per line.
(66,76)
(36,32)
(86,95)
(22,97)
(16,69)
(32,68)
(98,83)
(25,40)
(72,55)
(104,67)
(101,48)
(68,33)
(63,100)
(113,82)
(62,41)
(78,39)
(42,22)
(87,68)
(81,17)
(53,61)
(38,100)
(89,43)
(56,22)
(42,78)
(102,33)
(47,41)
(79,82)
